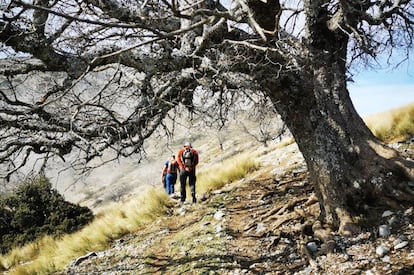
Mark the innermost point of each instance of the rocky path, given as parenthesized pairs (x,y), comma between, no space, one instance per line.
(260,225)
(203,238)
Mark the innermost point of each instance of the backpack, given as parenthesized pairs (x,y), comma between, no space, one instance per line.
(172,167)
(188,157)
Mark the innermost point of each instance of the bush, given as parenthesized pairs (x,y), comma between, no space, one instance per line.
(35,210)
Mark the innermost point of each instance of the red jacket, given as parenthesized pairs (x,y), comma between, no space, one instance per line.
(180,158)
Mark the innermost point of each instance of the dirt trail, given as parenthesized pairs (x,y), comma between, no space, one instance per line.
(259,225)
(263,223)
(209,237)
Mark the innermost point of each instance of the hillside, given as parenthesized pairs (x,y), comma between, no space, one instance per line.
(259,225)
(115,181)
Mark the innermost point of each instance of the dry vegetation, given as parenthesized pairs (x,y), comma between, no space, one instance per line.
(133,216)
(224,172)
(261,224)
(394,125)
(49,255)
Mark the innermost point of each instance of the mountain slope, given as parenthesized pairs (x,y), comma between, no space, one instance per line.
(261,224)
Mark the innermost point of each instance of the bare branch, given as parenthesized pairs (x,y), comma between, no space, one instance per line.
(92,76)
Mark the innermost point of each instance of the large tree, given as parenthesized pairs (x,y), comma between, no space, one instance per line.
(155,55)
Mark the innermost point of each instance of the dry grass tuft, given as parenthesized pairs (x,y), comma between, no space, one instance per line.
(225,172)
(394,125)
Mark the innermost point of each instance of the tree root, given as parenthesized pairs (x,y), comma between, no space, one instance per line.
(321,233)
(276,213)
(311,200)
(282,186)
(306,254)
(268,216)
(284,218)
(393,204)
(326,236)
(409,191)
(396,196)
(267,195)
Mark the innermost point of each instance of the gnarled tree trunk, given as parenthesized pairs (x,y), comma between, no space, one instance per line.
(349,167)
(295,51)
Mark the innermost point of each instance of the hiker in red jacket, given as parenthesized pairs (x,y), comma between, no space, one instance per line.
(187,159)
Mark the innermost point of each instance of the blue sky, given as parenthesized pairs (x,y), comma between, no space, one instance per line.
(377,91)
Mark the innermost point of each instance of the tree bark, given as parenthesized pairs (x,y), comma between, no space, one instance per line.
(349,167)
(180,45)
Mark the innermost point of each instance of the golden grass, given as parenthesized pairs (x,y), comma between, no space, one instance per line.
(49,255)
(218,175)
(394,125)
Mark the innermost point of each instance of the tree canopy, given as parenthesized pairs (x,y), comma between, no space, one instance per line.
(112,71)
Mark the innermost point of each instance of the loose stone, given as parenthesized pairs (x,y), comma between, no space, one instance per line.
(401,245)
(384,230)
(381,250)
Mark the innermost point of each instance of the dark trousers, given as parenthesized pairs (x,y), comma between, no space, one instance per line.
(191,175)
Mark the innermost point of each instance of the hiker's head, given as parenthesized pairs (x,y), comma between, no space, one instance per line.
(187,145)
(172,156)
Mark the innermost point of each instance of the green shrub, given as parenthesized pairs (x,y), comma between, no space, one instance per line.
(35,210)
